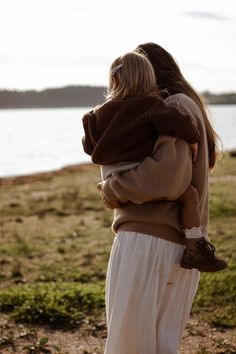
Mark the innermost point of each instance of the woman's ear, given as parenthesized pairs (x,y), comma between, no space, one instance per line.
(114,82)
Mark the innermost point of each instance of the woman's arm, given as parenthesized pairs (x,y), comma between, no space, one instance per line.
(165,176)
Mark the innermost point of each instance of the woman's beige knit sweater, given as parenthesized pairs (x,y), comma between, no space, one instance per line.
(149,191)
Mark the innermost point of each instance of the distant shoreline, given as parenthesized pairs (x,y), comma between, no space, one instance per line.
(38,176)
(91,105)
(44,107)
(80,96)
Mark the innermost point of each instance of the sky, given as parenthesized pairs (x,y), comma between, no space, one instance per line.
(54,43)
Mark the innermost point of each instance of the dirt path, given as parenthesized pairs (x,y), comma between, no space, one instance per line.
(199,338)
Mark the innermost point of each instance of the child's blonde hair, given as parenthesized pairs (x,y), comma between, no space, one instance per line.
(131,74)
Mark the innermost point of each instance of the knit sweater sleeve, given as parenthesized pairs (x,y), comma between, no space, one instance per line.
(165,176)
(169,120)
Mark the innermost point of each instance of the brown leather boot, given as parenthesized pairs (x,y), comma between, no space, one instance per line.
(200,254)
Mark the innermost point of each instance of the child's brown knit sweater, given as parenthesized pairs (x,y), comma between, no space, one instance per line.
(126,129)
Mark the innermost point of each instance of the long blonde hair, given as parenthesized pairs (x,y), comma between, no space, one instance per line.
(169,76)
(131,75)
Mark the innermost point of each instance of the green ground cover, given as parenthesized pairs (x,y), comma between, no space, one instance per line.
(55,243)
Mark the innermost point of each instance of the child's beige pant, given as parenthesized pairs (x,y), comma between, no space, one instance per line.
(148,295)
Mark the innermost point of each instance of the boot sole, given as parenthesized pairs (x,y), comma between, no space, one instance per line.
(203,269)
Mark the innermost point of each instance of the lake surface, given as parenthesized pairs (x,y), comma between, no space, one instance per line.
(36,140)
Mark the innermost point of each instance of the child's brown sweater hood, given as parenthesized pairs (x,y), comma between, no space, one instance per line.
(126,129)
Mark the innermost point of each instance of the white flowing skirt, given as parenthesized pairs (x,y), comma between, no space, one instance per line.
(148,295)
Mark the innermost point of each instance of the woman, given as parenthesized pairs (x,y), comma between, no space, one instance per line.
(148,295)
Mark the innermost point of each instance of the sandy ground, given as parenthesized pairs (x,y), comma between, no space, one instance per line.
(199,338)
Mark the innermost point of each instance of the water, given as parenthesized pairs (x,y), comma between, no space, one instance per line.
(224,122)
(36,140)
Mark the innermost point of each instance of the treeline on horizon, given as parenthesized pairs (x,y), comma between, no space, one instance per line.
(78,96)
(69,96)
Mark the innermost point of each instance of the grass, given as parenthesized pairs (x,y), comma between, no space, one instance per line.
(55,243)
(58,304)
(215,299)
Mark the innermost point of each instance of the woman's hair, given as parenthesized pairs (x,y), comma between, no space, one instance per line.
(131,74)
(170,78)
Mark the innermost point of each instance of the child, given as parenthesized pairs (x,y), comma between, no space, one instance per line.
(121,132)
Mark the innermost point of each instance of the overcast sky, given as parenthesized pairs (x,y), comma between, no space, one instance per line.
(48,43)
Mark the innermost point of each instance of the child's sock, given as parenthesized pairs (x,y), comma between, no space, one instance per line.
(194,232)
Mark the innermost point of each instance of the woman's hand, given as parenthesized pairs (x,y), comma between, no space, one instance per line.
(194,151)
(110,204)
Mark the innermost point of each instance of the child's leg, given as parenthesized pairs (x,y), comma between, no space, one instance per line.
(190,215)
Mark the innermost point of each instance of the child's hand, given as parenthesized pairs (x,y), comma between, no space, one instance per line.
(194,150)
